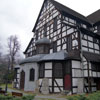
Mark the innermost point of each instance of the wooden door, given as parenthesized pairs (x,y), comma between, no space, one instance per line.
(22,80)
(67,82)
(98,84)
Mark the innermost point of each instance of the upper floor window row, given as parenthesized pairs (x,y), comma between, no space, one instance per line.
(69,21)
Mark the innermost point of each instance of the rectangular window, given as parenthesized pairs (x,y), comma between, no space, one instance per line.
(95,67)
(67,68)
(41,70)
(55,46)
(45,30)
(36,35)
(32,74)
(58,70)
(55,24)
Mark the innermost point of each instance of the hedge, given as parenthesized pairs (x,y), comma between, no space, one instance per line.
(92,96)
(2,97)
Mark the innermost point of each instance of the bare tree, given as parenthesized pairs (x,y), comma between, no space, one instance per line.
(13,49)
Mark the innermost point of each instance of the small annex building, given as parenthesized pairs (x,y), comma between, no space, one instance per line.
(65,49)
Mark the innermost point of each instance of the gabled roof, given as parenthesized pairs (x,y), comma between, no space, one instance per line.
(94,17)
(66,11)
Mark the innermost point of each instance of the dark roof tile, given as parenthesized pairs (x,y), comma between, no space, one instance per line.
(92,56)
(67,10)
(94,17)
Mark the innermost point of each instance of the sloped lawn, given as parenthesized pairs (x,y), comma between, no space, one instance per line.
(2,97)
(92,96)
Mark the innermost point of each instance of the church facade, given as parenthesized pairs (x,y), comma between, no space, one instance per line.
(65,49)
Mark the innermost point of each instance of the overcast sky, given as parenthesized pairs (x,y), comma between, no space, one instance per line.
(19,16)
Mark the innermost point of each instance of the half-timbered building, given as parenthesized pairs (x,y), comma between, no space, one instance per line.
(65,49)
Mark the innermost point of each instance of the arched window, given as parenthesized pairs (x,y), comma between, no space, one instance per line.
(32,74)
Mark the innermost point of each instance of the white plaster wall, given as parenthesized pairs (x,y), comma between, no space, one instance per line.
(94,89)
(84,49)
(56,90)
(64,46)
(48,73)
(18,75)
(50,82)
(74,90)
(84,42)
(76,73)
(48,65)
(98,73)
(90,38)
(96,46)
(40,81)
(86,73)
(94,74)
(75,81)
(59,81)
(29,85)
(74,43)
(76,64)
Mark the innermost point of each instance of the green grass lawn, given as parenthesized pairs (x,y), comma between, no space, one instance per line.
(91,96)
(3,85)
(2,97)
(11,87)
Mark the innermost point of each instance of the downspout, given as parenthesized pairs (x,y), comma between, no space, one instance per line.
(89,80)
(81,55)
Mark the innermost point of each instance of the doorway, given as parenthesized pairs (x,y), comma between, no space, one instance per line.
(22,80)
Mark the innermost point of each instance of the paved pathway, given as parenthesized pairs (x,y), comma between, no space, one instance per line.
(14,90)
(40,97)
(45,97)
